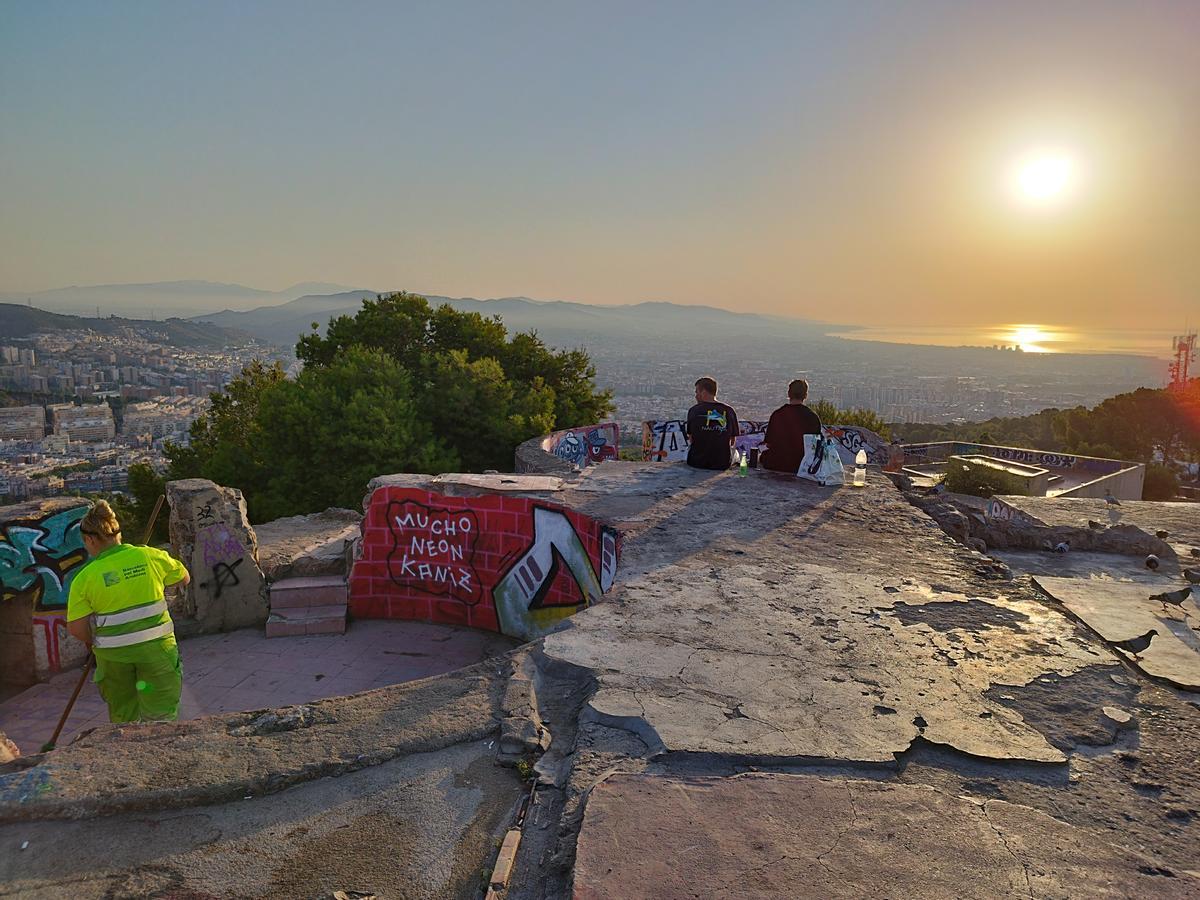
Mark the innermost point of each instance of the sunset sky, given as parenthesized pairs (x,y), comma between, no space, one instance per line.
(952,163)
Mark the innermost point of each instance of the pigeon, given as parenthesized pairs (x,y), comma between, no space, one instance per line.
(1098,526)
(1175,598)
(1062,547)
(1136,646)
(1162,535)
(1192,575)
(1110,499)
(1151,561)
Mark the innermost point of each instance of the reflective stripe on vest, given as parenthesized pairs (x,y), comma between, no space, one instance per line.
(109,641)
(125,616)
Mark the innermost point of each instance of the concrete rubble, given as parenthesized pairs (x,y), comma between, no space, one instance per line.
(789,691)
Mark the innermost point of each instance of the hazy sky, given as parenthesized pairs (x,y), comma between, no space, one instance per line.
(848,161)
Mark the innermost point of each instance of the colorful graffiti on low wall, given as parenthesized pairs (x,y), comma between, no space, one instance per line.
(585,446)
(665,441)
(40,556)
(509,564)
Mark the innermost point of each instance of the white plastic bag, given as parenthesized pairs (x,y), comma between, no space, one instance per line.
(821,462)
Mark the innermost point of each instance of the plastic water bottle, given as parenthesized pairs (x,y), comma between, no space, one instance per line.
(860,468)
(743,468)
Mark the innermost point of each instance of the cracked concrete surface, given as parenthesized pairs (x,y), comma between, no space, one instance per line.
(971,739)
(780,647)
(769,836)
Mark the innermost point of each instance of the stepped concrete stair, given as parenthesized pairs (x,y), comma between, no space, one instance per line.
(308,605)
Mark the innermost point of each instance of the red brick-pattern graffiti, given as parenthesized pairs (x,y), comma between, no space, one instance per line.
(509,564)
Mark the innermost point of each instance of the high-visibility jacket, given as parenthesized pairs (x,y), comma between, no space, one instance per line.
(123,588)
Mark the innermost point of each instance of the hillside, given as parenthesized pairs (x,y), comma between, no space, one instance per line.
(559,322)
(18,321)
(161,299)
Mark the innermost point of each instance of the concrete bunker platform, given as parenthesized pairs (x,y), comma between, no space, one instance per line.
(755,625)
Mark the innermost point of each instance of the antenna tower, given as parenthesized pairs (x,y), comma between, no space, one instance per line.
(1185,353)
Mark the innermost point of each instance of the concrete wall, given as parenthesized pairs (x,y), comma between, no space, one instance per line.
(664,440)
(585,446)
(1124,479)
(1126,484)
(512,564)
(40,552)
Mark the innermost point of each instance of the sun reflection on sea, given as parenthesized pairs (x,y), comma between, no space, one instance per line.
(1032,338)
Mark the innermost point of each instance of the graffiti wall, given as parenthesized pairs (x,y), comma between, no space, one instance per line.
(665,441)
(585,446)
(1048,459)
(40,552)
(509,564)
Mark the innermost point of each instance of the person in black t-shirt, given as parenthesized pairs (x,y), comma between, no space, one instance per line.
(786,430)
(712,427)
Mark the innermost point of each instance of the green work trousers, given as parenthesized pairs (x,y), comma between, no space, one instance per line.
(145,689)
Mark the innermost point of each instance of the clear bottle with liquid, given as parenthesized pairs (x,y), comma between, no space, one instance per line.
(743,468)
(860,469)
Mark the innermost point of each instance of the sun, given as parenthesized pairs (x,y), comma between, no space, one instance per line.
(1045,178)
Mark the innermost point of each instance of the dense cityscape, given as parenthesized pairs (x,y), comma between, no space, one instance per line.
(88,406)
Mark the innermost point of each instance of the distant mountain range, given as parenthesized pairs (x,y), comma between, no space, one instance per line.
(17,321)
(162,299)
(558,322)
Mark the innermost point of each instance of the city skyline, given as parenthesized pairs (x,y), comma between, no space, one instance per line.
(931,164)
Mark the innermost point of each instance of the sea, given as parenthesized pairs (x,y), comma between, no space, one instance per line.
(1031,338)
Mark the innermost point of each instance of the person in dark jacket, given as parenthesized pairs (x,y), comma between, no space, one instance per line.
(786,430)
(712,427)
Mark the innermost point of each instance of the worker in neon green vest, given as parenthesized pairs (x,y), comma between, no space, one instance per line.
(116,607)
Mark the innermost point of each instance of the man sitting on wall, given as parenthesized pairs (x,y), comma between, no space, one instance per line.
(786,430)
(712,427)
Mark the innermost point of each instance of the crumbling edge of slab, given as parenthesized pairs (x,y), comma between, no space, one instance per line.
(28,785)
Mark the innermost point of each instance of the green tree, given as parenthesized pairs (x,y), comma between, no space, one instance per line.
(335,428)
(227,444)
(145,487)
(1161,483)
(418,336)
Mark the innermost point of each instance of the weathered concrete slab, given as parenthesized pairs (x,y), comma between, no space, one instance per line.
(216,759)
(1123,612)
(797,631)
(1181,521)
(423,826)
(307,546)
(769,836)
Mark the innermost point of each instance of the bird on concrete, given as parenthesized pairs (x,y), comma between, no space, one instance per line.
(1098,526)
(1062,547)
(1110,499)
(1137,646)
(1151,561)
(1162,535)
(1174,598)
(1192,575)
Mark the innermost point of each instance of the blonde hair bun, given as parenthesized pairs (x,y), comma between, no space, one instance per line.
(101,520)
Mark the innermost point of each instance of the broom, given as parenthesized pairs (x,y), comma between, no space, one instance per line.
(91,660)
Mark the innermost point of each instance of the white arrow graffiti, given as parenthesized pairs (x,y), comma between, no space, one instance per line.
(518,595)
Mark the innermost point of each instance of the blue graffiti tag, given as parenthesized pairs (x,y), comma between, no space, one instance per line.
(40,557)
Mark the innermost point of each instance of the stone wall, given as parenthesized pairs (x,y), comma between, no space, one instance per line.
(212,536)
(40,552)
(495,560)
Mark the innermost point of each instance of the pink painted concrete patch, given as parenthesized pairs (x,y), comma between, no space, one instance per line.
(243,670)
